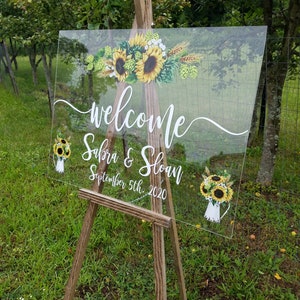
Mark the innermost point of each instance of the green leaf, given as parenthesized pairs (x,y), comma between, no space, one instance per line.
(93,26)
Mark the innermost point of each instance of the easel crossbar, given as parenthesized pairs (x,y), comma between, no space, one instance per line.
(126,207)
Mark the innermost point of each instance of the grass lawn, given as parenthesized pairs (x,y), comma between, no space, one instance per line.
(40,222)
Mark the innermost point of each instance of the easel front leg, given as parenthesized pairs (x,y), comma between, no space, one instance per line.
(156,203)
(80,250)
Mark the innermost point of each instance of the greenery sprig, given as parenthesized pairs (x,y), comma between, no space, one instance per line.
(144,58)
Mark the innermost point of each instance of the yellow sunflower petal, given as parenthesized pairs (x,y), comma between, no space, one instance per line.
(138,40)
(119,60)
(148,68)
(218,193)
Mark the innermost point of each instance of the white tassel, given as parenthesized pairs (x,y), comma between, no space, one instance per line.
(212,212)
(60,168)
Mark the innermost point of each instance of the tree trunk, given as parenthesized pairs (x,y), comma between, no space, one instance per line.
(271,134)
(256,117)
(34,63)
(276,75)
(9,68)
(263,108)
(14,52)
(47,72)
(90,87)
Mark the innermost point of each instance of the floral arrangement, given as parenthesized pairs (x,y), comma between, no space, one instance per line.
(62,151)
(217,187)
(217,190)
(144,58)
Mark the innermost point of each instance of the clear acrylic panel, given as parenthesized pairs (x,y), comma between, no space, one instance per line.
(193,89)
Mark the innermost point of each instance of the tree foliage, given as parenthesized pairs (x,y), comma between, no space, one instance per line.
(34,26)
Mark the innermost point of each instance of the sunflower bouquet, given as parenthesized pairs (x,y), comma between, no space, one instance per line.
(62,151)
(144,58)
(216,189)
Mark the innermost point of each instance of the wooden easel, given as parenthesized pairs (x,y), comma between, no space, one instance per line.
(143,20)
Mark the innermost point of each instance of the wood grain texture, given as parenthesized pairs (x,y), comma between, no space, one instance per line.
(126,207)
(152,109)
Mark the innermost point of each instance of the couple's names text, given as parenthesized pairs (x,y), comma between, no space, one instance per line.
(100,153)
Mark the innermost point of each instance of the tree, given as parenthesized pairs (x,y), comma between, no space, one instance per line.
(205,13)
(278,67)
(7,65)
(6,32)
(35,25)
(283,21)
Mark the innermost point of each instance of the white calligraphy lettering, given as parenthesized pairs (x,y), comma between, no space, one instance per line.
(173,127)
(104,177)
(101,153)
(158,165)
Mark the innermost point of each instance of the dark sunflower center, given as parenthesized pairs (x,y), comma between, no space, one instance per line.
(63,141)
(59,151)
(216,178)
(149,64)
(204,190)
(219,194)
(120,66)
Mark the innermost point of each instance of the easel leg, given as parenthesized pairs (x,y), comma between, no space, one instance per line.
(174,234)
(177,260)
(159,262)
(80,250)
(143,10)
(156,203)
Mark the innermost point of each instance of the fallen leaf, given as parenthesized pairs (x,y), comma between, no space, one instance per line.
(277,276)
(252,237)
(204,284)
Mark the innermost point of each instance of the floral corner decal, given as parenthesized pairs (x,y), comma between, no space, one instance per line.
(62,151)
(144,58)
(216,189)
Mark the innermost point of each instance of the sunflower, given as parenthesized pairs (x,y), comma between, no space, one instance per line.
(119,60)
(59,151)
(148,68)
(62,141)
(138,40)
(219,193)
(67,152)
(216,179)
(203,189)
(229,194)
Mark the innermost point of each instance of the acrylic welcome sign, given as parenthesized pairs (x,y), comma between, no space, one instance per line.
(205,83)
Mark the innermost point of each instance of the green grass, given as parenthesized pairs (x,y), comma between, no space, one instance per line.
(40,222)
